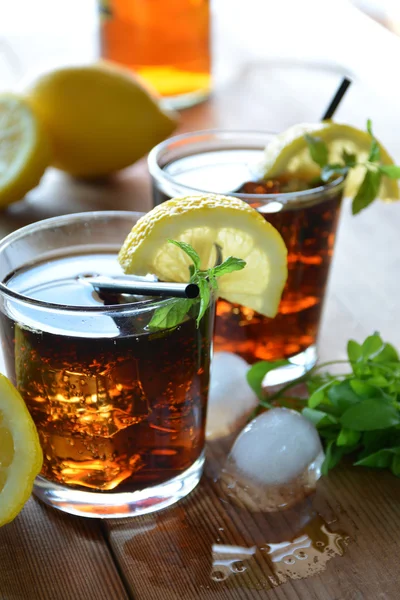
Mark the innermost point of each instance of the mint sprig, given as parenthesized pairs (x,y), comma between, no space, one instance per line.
(374,169)
(356,413)
(318,150)
(174,311)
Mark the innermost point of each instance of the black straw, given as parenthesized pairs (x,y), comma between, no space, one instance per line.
(336,100)
(143,287)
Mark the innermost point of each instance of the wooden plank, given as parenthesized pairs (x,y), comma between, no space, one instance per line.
(48,555)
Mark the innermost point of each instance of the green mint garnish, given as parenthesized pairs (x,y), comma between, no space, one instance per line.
(391,171)
(374,152)
(349,159)
(367,192)
(171,314)
(318,150)
(374,170)
(174,311)
(356,413)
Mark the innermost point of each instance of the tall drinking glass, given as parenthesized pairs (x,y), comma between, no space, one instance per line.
(220,162)
(119,407)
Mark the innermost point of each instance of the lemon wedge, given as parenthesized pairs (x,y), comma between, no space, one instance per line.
(209,223)
(288,153)
(20,452)
(24,149)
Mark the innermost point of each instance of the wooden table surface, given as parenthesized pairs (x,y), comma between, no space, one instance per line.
(346,535)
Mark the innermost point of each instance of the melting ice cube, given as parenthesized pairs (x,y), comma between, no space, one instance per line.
(275,461)
(231,399)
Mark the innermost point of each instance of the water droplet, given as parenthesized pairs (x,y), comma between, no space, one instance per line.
(238,567)
(301,555)
(218,576)
(319,544)
(289,561)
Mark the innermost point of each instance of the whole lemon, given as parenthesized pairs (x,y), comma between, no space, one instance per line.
(100,118)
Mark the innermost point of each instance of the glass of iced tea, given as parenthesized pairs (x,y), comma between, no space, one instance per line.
(167,42)
(120,408)
(228,162)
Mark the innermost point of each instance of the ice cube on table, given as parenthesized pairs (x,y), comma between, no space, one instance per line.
(275,461)
(231,400)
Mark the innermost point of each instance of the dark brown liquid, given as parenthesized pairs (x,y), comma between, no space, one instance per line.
(119,411)
(309,235)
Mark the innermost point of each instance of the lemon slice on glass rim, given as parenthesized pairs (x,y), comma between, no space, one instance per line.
(288,153)
(211,223)
(20,452)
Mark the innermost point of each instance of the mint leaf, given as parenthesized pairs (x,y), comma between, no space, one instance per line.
(378,381)
(381,459)
(349,159)
(171,313)
(318,395)
(342,396)
(318,150)
(319,418)
(362,389)
(367,191)
(370,414)
(191,252)
(204,288)
(374,152)
(257,372)
(229,265)
(213,282)
(348,437)
(372,346)
(387,354)
(395,466)
(373,441)
(333,455)
(354,351)
(392,171)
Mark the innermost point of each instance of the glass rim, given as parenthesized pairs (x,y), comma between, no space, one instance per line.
(73,308)
(160,175)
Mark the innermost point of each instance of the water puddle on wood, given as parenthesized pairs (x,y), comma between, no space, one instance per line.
(273,563)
